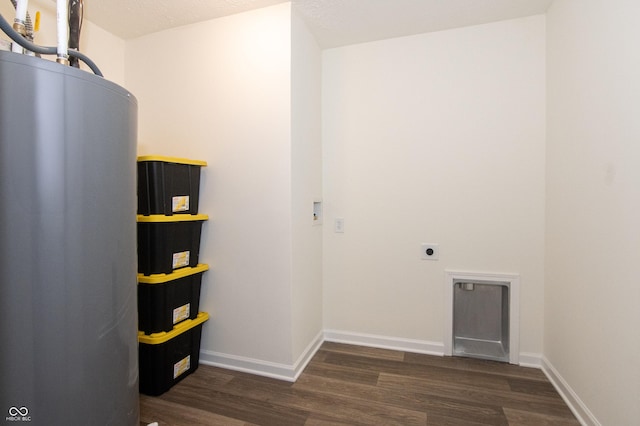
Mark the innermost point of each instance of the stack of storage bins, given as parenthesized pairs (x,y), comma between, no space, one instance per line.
(169,275)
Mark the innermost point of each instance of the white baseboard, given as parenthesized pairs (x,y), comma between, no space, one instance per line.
(385,342)
(530,360)
(248,365)
(258,367)
(291,373)
(307,354)
(579,409)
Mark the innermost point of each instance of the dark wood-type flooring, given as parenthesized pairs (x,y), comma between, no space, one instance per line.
(353,385)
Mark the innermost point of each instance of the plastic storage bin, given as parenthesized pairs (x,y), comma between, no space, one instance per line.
(167,358)
(166,243)
(164,300)
(168,185)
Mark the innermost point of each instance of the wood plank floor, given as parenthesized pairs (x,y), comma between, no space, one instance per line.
(353,385)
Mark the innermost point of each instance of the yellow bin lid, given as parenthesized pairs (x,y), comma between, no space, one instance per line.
(176,160)
(160,218)
(164,336)
(177,274)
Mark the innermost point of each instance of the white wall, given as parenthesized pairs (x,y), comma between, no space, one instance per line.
(105,49)
(306,181)
(433,138)
(593,205)
(220,91)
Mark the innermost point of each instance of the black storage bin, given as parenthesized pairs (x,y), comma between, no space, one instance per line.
(166,243)
(165,300)
(168,185)
(167,358)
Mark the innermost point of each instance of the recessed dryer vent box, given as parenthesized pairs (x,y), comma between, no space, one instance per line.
(481,319)
(168,185)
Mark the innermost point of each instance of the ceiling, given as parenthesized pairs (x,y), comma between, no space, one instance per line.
(333,22)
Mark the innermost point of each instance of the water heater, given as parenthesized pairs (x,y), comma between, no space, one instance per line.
(68,320)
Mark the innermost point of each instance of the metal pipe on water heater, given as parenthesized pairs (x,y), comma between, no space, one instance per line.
(76,16)
(20,23)
(62,16)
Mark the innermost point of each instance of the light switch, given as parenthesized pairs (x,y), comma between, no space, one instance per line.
(338,225)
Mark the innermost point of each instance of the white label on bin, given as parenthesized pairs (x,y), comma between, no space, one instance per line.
(181,366)
(180,203)
(180,259)
(181,313)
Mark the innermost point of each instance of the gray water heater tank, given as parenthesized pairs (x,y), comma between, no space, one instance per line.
(68,319)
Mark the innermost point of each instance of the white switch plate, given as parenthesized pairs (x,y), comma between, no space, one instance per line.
(338,225)
(429,251)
